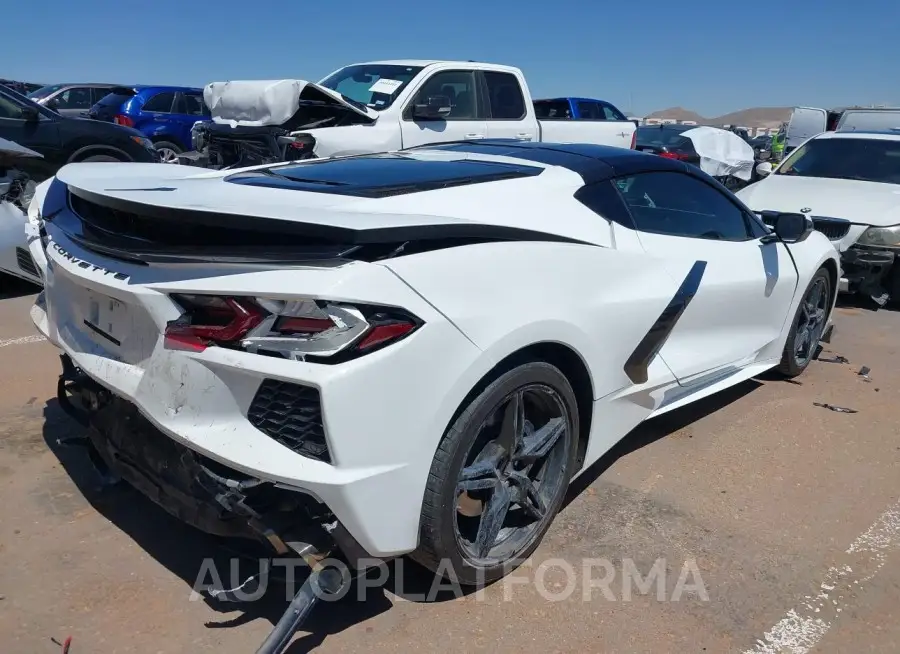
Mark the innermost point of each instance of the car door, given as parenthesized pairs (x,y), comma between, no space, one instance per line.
(508,115)
(805,123)
(624,128)
(747,286)
(466,117)
(36,131)
(156,119)
(189,108)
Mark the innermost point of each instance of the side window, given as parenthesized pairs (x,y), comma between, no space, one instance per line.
(9,109)
(552,109)
(160,103)
(590,110)
(505,96)
(603,200)
(680,205)
(193,104)
(458,86)
(611,113)
(76,98)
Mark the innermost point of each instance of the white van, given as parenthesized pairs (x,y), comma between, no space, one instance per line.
(806,122)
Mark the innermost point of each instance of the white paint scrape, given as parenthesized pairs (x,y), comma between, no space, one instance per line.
(802,628)
(22,340)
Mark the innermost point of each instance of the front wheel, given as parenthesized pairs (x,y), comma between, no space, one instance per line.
(500,475)
(168,152)
(808,326)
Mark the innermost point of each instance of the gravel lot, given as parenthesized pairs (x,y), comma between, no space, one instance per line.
(785,515)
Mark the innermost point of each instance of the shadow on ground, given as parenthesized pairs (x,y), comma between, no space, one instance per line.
(183,549)
(13,287)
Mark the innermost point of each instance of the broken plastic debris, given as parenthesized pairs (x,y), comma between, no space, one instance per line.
(831,407)
(836,359)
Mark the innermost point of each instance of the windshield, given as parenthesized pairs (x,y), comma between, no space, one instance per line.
(44,91)
(868,160)
(661,136)
(373,85)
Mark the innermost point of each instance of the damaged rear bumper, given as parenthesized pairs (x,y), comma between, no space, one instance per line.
(195,489)
(869,271)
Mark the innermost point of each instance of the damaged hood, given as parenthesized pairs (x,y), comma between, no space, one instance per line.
(868,203)
(259,103)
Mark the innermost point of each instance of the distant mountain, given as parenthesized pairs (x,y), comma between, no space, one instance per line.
(678,113)
(752,117)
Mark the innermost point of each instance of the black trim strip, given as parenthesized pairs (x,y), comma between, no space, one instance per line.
(102,333)
(637,365)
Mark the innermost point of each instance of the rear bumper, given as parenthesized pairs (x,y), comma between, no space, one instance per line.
(380,422)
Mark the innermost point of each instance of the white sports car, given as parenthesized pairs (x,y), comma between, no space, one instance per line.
(415,351)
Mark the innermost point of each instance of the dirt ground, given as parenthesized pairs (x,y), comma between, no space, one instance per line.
(781,519)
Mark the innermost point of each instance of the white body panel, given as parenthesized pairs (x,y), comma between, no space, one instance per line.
(12,237)
(391,130)
(384,413)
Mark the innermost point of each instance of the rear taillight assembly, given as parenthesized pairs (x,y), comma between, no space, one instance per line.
(633,139)
(122,119)
(680,156)
(302,329)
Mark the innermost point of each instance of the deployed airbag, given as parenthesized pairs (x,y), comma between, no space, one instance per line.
(253,103)
(722,153)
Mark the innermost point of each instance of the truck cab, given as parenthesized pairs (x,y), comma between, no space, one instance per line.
(379,107)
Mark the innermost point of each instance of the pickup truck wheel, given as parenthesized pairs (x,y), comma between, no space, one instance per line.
(499,476)
(168,152)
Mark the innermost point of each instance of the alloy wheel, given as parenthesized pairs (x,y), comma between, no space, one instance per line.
(168,155)
(513,475)
(811,323)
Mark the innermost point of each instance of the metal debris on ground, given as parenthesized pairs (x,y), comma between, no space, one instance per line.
(864,373)
(836,359)
(831,407)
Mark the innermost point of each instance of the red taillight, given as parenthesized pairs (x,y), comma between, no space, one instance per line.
(122,119)
(674,155)
(211,320)
(633,139)
(305,329)
(383,333)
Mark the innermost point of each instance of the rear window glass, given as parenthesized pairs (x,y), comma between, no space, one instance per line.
(382,175)
(115,98)
(661,136)
(549,109)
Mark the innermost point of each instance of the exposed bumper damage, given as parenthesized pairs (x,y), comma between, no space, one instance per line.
(209,496)
(870,271)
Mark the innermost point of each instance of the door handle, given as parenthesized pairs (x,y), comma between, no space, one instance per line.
(474,136)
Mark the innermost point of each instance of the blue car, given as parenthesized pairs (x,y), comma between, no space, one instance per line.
(164,114)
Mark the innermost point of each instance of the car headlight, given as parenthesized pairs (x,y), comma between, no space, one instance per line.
(886,237)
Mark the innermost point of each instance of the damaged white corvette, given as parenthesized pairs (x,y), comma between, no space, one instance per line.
(410,352)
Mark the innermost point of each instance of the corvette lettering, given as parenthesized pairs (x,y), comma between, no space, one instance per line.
(87,265)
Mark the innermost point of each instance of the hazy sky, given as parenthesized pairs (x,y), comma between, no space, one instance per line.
(712,57)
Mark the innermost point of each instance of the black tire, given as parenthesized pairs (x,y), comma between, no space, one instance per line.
(792,363)
(541,390)
(165,147)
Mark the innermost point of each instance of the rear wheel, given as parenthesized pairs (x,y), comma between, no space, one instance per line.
(808,326)
(500,475)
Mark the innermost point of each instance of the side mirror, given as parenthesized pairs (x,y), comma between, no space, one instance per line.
(437,107)
(764,155)
(30,114)
(793,227)
(764,168)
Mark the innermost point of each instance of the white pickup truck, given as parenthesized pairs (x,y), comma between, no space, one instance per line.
(377,107)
